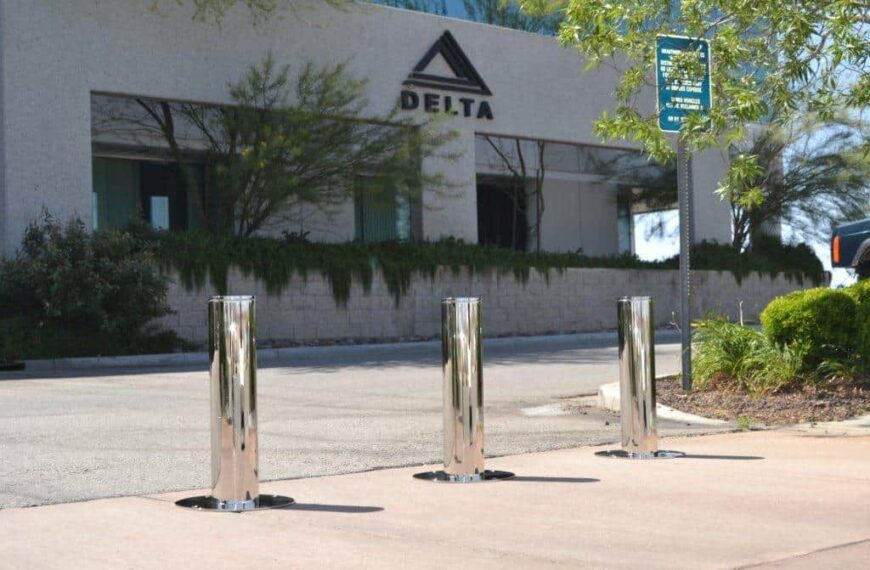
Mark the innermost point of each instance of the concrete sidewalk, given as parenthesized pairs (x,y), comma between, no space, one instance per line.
(762,499)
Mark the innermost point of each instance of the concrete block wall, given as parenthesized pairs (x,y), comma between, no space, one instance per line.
(577,300)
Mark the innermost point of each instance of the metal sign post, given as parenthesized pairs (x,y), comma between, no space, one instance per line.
(687,238)
(678,97)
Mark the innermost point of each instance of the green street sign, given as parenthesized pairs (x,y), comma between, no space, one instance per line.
(680,96)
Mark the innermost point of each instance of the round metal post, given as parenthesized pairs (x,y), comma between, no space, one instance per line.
(233,382)
(637,388)
(462,376)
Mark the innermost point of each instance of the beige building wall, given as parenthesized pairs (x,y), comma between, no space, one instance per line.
(55,54)
(577,300)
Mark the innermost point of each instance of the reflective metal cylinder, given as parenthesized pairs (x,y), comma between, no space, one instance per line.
(462,368)
(637,390)
(233,377)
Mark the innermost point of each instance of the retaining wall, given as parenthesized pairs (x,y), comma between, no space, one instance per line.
(577,300)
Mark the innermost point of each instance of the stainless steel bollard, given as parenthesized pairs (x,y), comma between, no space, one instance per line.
(462,377)
(233,383)
(637,386)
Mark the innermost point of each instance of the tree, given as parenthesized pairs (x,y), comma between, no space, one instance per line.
(284,142)
(811,176)
(772,62)
(514,161)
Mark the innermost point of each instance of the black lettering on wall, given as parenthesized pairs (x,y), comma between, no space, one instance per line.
(410,100)
(484,111)
(430,102)
(466,106)
(448,105)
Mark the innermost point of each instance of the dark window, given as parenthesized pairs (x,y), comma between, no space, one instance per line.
(501,213)
(124,188)
(381,214)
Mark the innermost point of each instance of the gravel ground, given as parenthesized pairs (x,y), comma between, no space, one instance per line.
(811,404)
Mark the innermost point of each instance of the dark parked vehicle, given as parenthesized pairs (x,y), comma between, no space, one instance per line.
(850,247)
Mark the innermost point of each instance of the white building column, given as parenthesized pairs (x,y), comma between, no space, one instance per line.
(712,215)
(451,209)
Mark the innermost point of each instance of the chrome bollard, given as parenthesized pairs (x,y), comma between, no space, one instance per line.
(462,375)
(233,382)
(637,386)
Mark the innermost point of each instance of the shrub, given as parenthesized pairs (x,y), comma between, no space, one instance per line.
(69,292)
(860,293)
(730,356)
(768,256)
(820,320)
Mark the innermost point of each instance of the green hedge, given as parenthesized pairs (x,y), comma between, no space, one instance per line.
(820,321)
(72,292)
(199,257)
(860,293)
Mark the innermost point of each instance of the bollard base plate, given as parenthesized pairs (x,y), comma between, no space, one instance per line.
(442,477)
(211,504)
(622,454)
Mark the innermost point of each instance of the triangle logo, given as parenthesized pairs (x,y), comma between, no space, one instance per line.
(465,78)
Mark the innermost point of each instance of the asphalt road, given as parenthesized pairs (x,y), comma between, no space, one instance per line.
(101,433)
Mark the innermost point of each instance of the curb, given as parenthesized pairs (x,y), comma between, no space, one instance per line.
(608,399)
(300,352)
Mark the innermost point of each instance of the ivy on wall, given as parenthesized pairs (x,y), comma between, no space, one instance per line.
(199,258)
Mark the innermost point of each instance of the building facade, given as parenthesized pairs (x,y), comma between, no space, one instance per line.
(522,106)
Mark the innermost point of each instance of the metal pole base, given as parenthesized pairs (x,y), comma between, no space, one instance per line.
(622,454)
(209,503)
(442,477)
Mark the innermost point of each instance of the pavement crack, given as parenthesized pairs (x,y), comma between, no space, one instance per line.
(804,554)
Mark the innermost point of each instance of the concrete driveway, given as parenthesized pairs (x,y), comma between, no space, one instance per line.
(102,433)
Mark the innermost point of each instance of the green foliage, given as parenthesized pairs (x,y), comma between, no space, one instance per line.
(766,257)
(199,257)
(291,144)
(822,321)
(808,336)
(811,176)
(860,292)
(771,61)
(729,355)
(69,292)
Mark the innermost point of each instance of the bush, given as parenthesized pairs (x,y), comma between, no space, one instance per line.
(69,292)
(860,293)
(731,356)
(768,256)
(820,320)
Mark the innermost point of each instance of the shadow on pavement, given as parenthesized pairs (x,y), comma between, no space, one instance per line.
(314,507)
(537,479)
(724,457)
